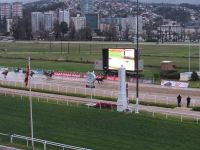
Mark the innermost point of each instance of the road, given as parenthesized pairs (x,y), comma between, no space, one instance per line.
(147,92)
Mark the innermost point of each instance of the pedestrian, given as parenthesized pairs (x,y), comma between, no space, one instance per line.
(179,100)
(188,101)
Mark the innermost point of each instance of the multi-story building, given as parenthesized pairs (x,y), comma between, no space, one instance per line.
(64,16)
(5,10)
(87,7)
(17,10)
(130,24)
(37,21)
(92,21)
(9,25)
(79,22)
(49,20)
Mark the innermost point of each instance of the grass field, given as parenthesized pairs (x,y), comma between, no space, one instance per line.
(151,54)
(97,129)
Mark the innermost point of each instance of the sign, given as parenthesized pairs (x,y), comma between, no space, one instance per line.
(91,77)
(174,84)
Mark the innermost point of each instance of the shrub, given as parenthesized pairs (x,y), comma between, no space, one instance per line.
(194,76)
(172,74)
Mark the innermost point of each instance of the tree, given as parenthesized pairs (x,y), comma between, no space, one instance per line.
(63,27)
(194,76)
(18,29)
(56,29)
(72,30)
(84,34)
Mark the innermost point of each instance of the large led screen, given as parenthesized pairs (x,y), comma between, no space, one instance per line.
(121,57)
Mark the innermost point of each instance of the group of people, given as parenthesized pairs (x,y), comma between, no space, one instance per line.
(188,99)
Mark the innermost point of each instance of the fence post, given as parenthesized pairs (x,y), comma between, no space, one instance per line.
(11,139)
(181,118)
(66,90)
(166,115)
(167,100)
(153,114)
(27,143)
(45,145)
(155,98)
(197,120)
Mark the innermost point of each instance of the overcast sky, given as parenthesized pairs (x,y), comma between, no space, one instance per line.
(155,1)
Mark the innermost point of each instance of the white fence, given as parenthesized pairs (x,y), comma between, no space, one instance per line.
(44,142)
(100,92)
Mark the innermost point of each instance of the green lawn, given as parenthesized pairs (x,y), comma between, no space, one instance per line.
(88,52)
(97,129)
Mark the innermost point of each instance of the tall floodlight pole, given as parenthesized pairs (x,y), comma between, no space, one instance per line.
(189,57)
(199,55)
(30,102)
(137,61)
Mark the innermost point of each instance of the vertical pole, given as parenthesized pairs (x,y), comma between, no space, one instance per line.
(199,55)
(189,56)
(137,73)
(30,101)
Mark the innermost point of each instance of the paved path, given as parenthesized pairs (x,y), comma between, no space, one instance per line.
(183,112)
(7,148)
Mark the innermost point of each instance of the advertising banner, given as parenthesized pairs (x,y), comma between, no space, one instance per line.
(174,84)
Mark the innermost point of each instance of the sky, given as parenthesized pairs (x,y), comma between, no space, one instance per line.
(155,1)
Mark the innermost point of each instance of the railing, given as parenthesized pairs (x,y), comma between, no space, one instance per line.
(100,92)
(44,142)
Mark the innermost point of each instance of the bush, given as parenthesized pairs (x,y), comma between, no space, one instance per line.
(194,76)
(196,108)
(172,74)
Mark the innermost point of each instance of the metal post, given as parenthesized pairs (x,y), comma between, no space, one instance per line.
(199,55)
(30,101)
(189,56)
(137,72)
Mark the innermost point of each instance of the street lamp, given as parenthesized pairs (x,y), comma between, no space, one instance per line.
(137,61)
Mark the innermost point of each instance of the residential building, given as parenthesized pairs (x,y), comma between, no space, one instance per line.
(37,21)
(17,10)
(49,20)
(9,25)
(87,7)
(64,16)
(92,21)
(79,22)
(5,10)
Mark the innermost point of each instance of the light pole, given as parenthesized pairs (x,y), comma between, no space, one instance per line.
(189,57)
(137,61)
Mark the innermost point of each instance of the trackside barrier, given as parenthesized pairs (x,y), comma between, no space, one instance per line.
(101,92)
(44,142)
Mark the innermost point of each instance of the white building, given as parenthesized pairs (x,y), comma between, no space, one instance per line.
(8,24)
(5,10)
(64,16)
(17,9)
(37,21)
(131,24)
(49,20)
(79,22)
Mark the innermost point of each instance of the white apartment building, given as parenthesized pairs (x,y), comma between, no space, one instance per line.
(37,21)
(131,24)
(5,10)
(79,22)
(64,16)
(49,20)
(17,9)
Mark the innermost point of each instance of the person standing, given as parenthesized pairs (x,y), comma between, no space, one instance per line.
(179,100)
(188,101)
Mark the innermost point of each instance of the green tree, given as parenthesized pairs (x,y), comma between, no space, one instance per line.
(194,76)
(56,29)
(63,27)
(72,30)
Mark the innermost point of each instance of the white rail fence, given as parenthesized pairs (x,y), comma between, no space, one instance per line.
(100,92)
(44,142)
